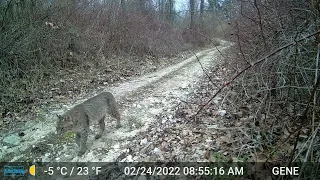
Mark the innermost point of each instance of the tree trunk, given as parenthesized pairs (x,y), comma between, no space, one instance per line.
(192,25)
(201,12)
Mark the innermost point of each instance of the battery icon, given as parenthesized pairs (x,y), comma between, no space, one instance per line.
(32,170)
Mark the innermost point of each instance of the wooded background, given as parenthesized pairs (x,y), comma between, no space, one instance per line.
(50,48)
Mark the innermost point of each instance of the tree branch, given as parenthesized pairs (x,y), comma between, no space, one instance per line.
(255,63)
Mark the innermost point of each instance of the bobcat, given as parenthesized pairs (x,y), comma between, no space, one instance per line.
(93,109)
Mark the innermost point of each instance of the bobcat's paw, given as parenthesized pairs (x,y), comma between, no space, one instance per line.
(97,136)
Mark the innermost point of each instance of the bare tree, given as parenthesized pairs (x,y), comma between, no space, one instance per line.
(123,7)
(201,12)
(192,13)
(170,10)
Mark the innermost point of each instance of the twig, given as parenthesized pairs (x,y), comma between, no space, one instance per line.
(303,120)
(205,72)
(309,149)
(239,44)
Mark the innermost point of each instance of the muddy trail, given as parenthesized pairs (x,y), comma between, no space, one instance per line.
(140,100)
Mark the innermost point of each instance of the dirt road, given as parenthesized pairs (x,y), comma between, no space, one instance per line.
(140,99)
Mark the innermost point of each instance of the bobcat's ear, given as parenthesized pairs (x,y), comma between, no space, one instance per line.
(59,117)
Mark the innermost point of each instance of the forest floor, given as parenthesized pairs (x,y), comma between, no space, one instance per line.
(155,126)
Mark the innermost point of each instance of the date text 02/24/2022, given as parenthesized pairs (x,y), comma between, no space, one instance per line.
(176,171)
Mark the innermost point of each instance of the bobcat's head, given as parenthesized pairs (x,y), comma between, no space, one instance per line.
(64,124)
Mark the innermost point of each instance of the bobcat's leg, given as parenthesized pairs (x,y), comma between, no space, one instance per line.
(114,112)
(118,122)
(101,128)
(83,141)
(78,137)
